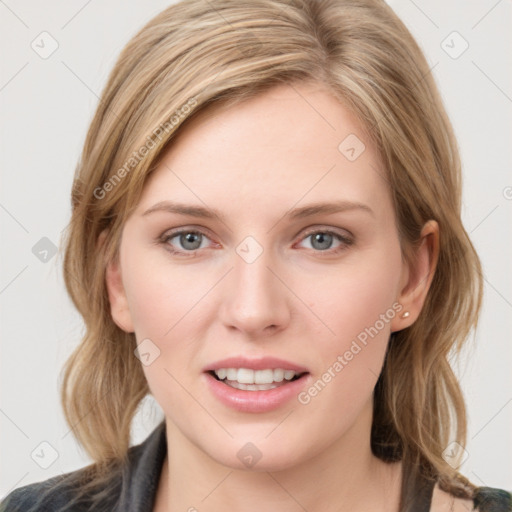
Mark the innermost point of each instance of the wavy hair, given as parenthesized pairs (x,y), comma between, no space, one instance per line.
(195,55)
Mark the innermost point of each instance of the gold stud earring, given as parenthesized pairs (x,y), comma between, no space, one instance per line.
(405,315)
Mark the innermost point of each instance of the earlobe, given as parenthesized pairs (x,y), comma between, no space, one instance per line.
(418,277)
(117,296)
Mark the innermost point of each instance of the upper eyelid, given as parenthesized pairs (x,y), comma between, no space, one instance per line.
(335,231)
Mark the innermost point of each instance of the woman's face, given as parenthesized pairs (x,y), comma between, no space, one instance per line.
(299,269)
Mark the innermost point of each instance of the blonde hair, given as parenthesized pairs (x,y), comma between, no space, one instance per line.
(196,55)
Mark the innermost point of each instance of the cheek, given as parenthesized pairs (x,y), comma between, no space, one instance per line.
(161,300)
(357,305)
(161,295)
(356,298)
(163,304)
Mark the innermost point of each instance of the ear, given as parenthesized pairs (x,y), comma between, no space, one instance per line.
(116,292)
(417,277)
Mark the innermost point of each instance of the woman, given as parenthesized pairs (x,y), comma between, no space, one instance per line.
(266,237)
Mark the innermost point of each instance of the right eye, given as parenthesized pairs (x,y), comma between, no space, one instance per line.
(188,240)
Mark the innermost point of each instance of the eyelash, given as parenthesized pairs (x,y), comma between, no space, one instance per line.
(345,241)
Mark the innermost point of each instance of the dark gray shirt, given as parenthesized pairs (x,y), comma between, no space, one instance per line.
(135,490)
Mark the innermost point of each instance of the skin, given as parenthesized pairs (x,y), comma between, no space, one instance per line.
(254,162)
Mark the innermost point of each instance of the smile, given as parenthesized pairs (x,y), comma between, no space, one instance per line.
(255,385)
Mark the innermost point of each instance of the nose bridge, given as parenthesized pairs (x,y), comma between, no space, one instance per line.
(255,299)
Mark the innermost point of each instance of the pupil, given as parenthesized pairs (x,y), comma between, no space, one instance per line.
(322,238)
(188,238)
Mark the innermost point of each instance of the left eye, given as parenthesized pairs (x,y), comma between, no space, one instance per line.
(323,240)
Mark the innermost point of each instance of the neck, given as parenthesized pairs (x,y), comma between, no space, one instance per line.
(345,476)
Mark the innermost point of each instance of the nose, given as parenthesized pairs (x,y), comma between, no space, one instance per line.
(255,301)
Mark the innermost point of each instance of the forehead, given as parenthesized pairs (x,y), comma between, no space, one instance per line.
(289,145)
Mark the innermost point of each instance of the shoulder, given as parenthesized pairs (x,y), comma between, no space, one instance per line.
(52,494)
(131,483)
(489,499)
(485,499)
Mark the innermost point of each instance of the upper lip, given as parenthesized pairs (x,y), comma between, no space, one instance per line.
(261,363)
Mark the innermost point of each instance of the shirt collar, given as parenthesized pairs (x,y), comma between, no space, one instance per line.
(141,475)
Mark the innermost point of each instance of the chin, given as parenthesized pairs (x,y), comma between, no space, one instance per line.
(258,456)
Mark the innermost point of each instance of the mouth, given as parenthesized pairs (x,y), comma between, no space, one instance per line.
(247,379)
(255,385)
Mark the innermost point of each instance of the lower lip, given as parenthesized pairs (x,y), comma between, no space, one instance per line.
(255,401)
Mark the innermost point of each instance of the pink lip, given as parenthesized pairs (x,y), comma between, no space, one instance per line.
(262,363)
(255,401)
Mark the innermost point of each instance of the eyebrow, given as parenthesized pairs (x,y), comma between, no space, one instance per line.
(296,213)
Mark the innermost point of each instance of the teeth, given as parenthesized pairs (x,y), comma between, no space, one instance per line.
(278,375)
(246,376)
(222,373)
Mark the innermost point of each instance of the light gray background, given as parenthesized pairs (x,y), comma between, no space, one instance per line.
(45,108)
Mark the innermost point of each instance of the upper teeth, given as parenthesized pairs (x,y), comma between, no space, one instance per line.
(248,376)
